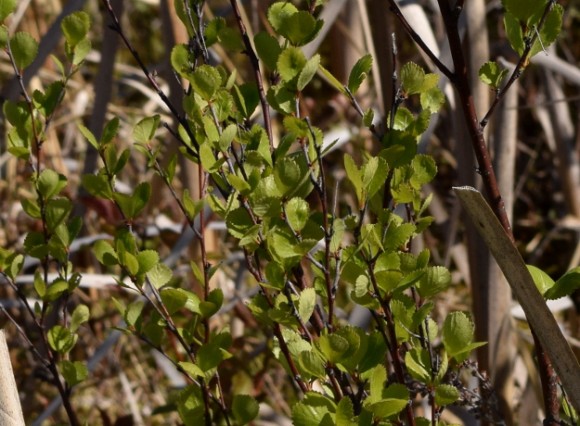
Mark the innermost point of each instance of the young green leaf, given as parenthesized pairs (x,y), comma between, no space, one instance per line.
(74,372)
(278,13)
(297,213)
(491,74)
(311,364)
(419,364)
(542,280)
(205,81)
(267,48)
(79,316)
(50,183)
(6,8)
(159,275)
(75,27)
(308,72)
(290,63)
(145,129)
(88,136)
(24,49)
(565,286)
(457,336)
(299,28)
(412,78)
(61,339)
(359,72)
(245,409)
(446,395)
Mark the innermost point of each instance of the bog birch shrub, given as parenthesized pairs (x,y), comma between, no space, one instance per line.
(310,258)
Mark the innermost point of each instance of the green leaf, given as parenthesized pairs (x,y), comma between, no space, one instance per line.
(73,372)
(6,8)
(210,355)
(290,63)
(146,128)
(306,304)
(432,100)
(299,28)
(297,213)
(491,74)
(418,364)
(75,27)
(278,13)
(445,395)
(133,312)
(39,285)
(213,303)
(110,131)
(97,185)
(359,72)
(542,280)
(50,183)
(227,136)
(48,101)
(60,339)
(424,170)
(457,336)
(15,263)
(374,175)
(345,413)
(79,316)
(88,136)
(247,98)
(24,49)
(524,10)
(312,364)
(245,408)
(81,51)
(180,60)
(268,49)
(57,211)
(191,369)
(412,78)
(333,347)
(313,410)
(175,299)
(56,290)
(308,72)
(147,260)
(550,31)
(4,36)
(205,81)
(355,176)
(159,275)
(514,33)
(105,253)
(134,204)
(434,281)
(565,286)
(31,208)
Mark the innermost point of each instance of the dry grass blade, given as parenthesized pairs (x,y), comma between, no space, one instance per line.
(511,263)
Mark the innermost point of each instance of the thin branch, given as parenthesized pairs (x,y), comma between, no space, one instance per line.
(521,65)
(257,73)
(417,39)
(116,26)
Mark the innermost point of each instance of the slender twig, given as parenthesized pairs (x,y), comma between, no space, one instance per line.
(116,26)
(521,65)
(417,39)
(392,338)
(257,73)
